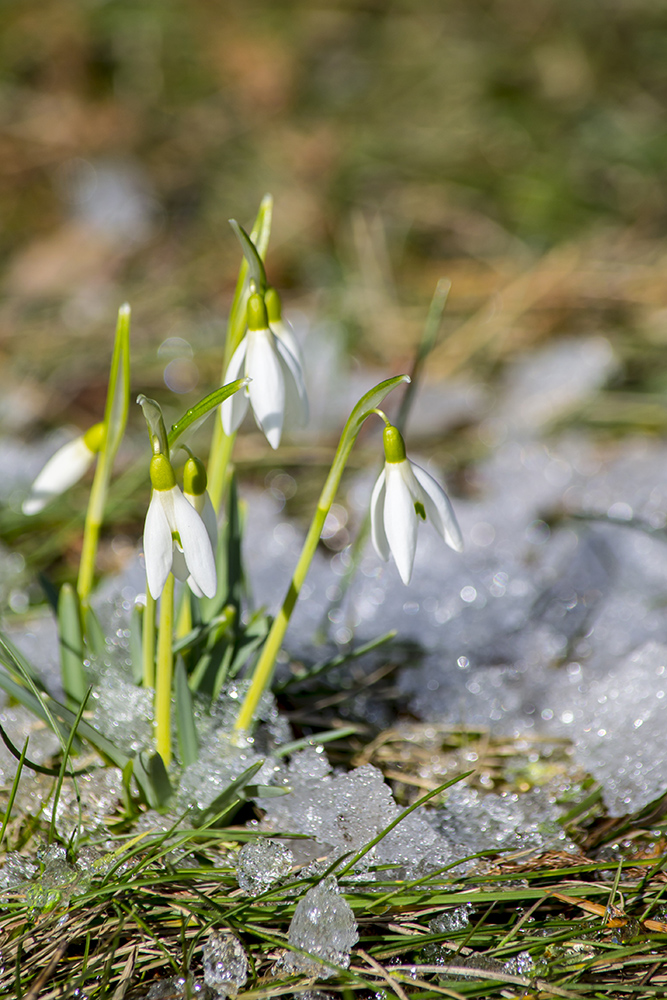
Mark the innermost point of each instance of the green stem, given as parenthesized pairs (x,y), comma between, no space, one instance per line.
(115,418)
(93,524)
(267,658)
(165,664)
(221,452)
(148,642)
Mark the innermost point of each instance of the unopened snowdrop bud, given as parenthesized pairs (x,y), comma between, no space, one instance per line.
(276,391)
(403,495)
(175,536)
(64,469)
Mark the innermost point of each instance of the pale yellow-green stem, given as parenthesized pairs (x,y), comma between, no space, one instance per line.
(264,669)
(93,524)
(148,641)
(184,617)
(115,418)
(218,465)
(164,672)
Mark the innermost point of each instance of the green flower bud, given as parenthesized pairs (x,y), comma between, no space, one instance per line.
(94,438)
(257,318)
(274,306)
(162,474)
(394,445)
(194,477)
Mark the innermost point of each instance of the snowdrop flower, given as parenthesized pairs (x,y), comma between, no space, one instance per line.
(194,491)
(173,529)
(280,327)
(403,494)
(277,391)
(64,469)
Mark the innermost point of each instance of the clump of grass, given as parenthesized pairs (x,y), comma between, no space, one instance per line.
(547,926)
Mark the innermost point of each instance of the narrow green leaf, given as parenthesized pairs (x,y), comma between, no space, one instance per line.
(185,717)
(14,789)
(71,646)
(63,769)
(151,776)
(335,661)
(203,408)
(39,768)
(265,791)
(255,263)
(95,637)
(406,812)
(312,741)
(155,421)
(118,393)
(136,642)
(426,344)
(227,798)
(259,236)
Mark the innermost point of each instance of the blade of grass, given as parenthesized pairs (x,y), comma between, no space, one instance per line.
(14,789)
(335,661)
(406,812)
(63,768)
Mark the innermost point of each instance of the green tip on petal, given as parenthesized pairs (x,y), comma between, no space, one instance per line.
(419,510)
(274,306)
(94,438)
(394,445)
(257,317)
(162,474)
(194,477)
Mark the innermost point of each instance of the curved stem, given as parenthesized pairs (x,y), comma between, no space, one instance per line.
(261,677)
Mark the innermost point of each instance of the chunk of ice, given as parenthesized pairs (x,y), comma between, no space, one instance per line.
(323,925)
(348,811)
(225,965)
(261,863)
(619,721)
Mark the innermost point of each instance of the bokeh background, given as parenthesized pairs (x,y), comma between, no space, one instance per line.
(517,148)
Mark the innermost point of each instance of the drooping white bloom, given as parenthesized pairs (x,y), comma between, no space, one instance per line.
(276,391)
(173,528)
(403,495)
(64,469)
(194,491)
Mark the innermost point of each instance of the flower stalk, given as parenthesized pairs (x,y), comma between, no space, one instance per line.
(265,664)
(164,672)
(115,418)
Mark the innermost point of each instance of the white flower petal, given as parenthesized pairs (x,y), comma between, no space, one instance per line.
(378,534)
(195,542)
(267,389)
(438,508)
(234,408)
(62,470)
(284,332)
(400,519)
(296,400)
(158,545)
(179,567)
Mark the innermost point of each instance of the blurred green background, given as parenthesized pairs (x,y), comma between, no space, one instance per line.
(516,147)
